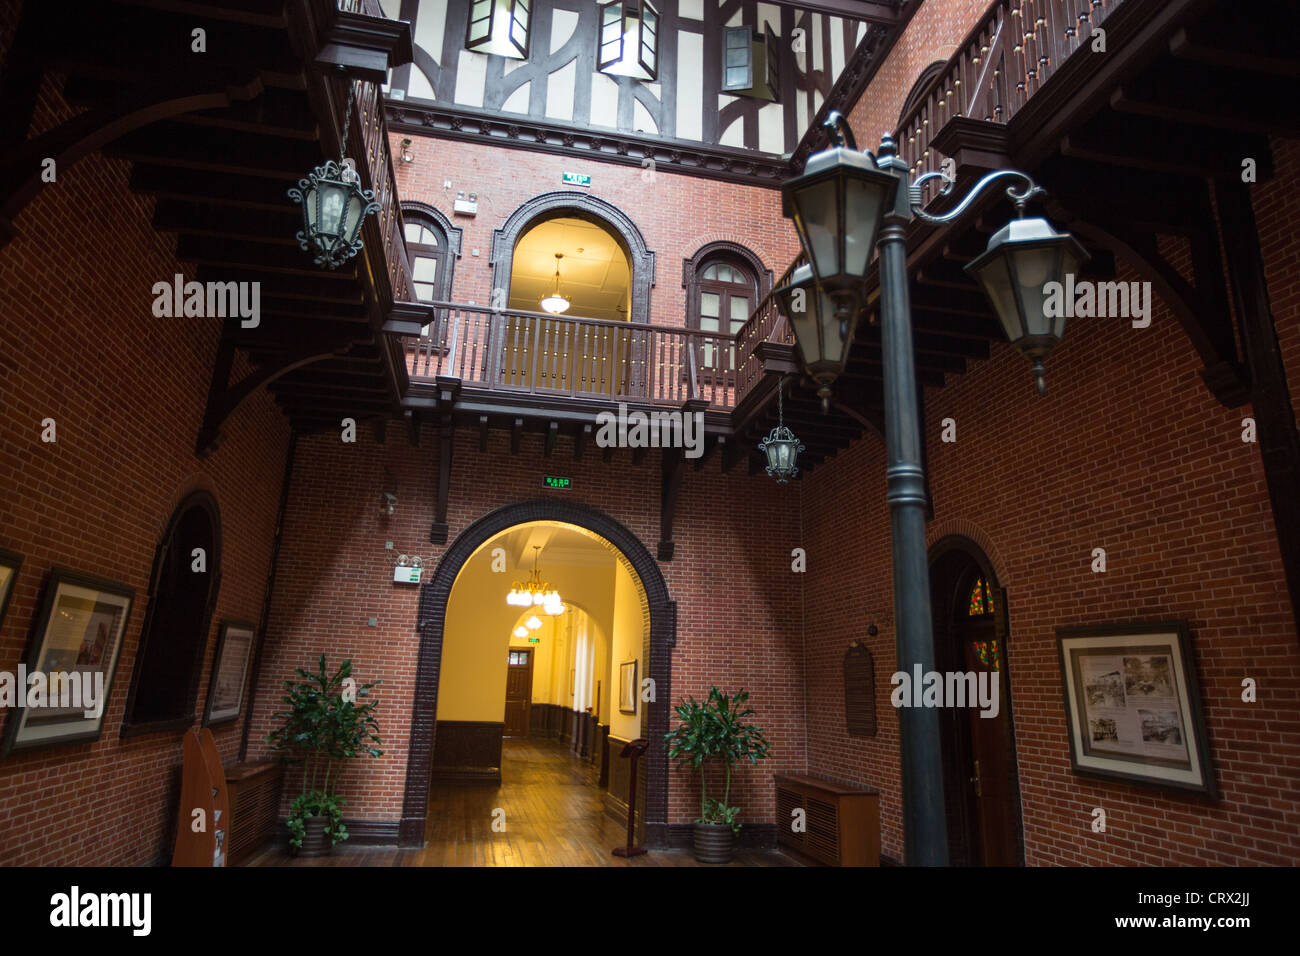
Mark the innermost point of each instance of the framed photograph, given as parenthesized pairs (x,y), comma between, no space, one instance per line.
(627,687)
(229,673)
(9,565)
(67,672)
(1133,706)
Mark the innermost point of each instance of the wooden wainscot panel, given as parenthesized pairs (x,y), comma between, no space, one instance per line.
(467,750)
(841,822)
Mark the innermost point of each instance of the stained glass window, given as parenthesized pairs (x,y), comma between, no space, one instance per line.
(981,599)
(988,653)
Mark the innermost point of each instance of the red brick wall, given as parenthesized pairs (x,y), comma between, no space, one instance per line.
(79,344)
(676,214)
(1130,452)
(737,600)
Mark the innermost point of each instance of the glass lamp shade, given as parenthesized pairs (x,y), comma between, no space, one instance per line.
(533,623)
(556,303)
(822,325)
(836,206)
(520,631)
(782,450)
(334,208)
(1023,259)
(553,605)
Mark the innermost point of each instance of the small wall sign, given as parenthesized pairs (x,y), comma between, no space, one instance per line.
(405,575)
(576,179)
(554,481)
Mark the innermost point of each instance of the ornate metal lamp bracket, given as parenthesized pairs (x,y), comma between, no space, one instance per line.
(1018,196)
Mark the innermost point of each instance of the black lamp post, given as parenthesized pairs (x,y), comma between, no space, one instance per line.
(837,223)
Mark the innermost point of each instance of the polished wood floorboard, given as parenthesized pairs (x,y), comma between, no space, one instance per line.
(552,812)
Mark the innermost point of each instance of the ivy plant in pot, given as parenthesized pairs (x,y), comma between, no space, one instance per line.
(716,731)
(327,719)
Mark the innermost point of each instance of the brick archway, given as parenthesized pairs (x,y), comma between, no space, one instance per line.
(659,638)
(579,206)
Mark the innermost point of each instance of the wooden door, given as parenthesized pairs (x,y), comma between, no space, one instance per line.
(989,781)
(519,692)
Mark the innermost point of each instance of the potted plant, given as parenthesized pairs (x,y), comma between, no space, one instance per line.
(716,731)
(327,720)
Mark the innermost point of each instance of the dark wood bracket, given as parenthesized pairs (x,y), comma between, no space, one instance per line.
(363,46)
(1201,307)
(94,128)
(448,390)
(224,398)
(673,465)
(1275,424)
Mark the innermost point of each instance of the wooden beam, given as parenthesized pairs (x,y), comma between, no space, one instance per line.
(413,426)
(516,433)
(447,392)
(482,433)
(672,474)
(548,441)
(1181,149)
(1236,100)
(1275,422)
(580,442)
(880,12)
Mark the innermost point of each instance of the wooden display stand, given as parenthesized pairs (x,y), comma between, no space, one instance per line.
(204,816)
(633,751)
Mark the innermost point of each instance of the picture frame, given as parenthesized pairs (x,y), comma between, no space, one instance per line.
(79,629)
(229,683)
(10,564)
(1133,706)
(627,687)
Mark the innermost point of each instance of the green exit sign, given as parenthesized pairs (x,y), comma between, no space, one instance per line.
(576,179)
(552,481)
(534,640)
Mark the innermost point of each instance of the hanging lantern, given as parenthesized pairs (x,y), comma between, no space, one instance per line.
(780,446)
(334,207)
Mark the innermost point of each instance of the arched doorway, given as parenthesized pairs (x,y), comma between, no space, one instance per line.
(659,638)
(981,784)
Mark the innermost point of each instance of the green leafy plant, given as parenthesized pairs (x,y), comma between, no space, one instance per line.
(716,731)
(328,719)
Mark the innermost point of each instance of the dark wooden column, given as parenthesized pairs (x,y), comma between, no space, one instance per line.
(1275,425)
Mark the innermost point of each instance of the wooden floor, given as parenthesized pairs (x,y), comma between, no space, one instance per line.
(553,816)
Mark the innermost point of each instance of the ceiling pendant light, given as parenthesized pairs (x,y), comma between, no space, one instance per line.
(334,207)
(556,302)
(780,446)
(521,631)
(533,623)
(536,593)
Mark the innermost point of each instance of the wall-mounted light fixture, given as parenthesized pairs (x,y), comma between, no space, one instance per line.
(406,156)
(629,39)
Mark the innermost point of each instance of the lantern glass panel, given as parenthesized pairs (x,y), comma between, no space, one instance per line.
(333,201)
(862,202)
(995,277)
(1035,266)
(820,215)
(356,208)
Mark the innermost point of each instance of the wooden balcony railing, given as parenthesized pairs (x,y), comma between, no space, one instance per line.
(766,324)
(540,354)
(1005,59)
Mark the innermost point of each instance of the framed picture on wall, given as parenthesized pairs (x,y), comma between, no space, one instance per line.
(229,673)
(1133,705)
(70,662)
(9,565)
(627,687)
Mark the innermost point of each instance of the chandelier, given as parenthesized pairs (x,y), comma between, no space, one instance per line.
(556,302)
(536,592)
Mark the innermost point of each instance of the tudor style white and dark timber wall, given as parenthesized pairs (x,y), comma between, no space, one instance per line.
(559,83)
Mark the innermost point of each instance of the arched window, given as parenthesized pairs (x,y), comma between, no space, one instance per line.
(724,283)
(182,594)
(921,88)
(432,247)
